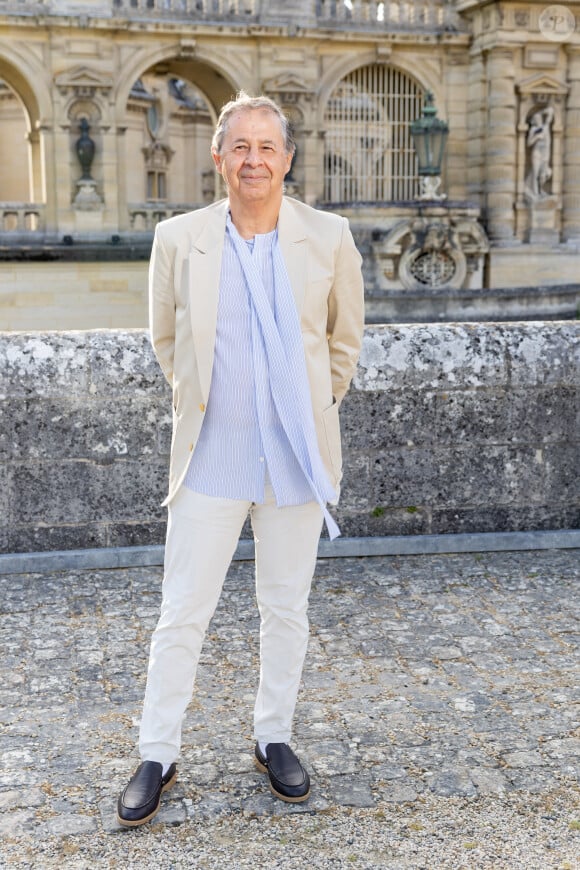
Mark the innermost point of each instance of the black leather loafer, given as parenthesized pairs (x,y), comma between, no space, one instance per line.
(288,779)
(139,802)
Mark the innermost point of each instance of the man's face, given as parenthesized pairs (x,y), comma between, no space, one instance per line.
(253,159)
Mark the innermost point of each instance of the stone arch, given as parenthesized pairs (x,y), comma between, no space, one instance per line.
(424,77)
(27,80)
(82,107)
(217,82)
(365,113)
(148,191)
(20,75)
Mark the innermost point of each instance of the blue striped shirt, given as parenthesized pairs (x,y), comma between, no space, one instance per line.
(242,438)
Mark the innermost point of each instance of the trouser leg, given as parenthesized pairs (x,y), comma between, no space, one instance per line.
(286,548)
(202,535)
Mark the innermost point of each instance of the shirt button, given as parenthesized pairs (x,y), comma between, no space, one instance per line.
(202,407)
(261,458)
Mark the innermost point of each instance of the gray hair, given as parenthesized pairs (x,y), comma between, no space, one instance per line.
(243,102)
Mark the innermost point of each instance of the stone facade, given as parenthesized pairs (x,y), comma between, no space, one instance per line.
(146,78)
(447,428)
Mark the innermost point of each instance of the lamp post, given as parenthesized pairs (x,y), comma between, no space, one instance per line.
(429,138)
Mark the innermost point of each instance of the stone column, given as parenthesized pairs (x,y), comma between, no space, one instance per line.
(313,160)
(63,180)
(500,151)
(476,127)
(571,186)
(49,182)
(112,180)
(123,220)
(35,169)
(456,72)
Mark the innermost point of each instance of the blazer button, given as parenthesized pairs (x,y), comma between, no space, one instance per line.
(190,447)
(202,407)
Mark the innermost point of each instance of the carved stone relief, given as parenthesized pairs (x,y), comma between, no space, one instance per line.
(431,252)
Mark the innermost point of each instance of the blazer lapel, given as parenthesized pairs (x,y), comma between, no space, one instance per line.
(293,243)
(205,260)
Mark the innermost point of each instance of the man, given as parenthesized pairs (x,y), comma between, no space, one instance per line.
(256,316)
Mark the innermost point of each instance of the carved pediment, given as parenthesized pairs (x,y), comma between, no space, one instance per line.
(541,83)
(286,83)
(81,77)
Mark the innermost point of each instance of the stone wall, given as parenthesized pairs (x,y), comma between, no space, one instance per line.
(113,294)
(73,295)
(448,428)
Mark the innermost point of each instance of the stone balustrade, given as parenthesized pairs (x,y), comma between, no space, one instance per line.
(24,7)
(144,216)
(21,218)
(448,428)
(399,15)
(191,8)
(135,8)
(430,15)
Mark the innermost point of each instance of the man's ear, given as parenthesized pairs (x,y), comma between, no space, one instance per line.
(217,160)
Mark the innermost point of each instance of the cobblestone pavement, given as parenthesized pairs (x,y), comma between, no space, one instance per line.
(439,718)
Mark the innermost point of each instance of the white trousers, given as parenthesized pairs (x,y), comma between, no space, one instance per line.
(202,535)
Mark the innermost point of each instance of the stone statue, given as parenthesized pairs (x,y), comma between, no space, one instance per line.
(539,143)
(85,148)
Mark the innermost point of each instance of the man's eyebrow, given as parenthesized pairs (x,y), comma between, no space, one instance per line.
(243,141)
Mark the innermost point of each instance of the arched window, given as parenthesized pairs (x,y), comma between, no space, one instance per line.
(369,155)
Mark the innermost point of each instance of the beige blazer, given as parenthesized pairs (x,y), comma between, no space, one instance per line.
(184,274)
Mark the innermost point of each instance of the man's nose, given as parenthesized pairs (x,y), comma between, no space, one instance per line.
(253,156)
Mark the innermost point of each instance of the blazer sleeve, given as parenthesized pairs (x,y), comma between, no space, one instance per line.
(345,313)
(162,305)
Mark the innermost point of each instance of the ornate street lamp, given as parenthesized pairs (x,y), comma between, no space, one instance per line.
(429,138)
